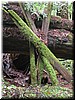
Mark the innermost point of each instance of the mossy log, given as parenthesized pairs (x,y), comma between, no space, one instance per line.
(57,43)
(40,46)
(34,40)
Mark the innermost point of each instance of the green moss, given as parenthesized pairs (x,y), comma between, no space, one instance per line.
(33,70)
(42,48)
(40,70)
(51,71)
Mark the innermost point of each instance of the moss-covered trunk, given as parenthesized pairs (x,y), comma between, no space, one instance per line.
(33,70)
(42,48)
(40,68)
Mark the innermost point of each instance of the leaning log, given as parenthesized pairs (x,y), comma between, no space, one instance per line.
(9,31)
(44,52)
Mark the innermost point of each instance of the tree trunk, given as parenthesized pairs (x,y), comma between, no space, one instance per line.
(30,23)
(44,52)
(33,71)
(40,46)
(40,68)
(46,21)
(32,26)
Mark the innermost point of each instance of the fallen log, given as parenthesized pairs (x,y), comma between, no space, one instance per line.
(55,22)
(59,42)
(61,23)
(44,52)
(12,32)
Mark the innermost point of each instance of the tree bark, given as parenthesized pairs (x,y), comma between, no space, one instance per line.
(46,21)
(41,47)
(59,45)
(61,23)
(40,68)
(34,29)
(31,24)
(33,70)
(55,23)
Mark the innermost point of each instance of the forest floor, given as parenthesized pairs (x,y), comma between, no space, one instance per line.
(17,87)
